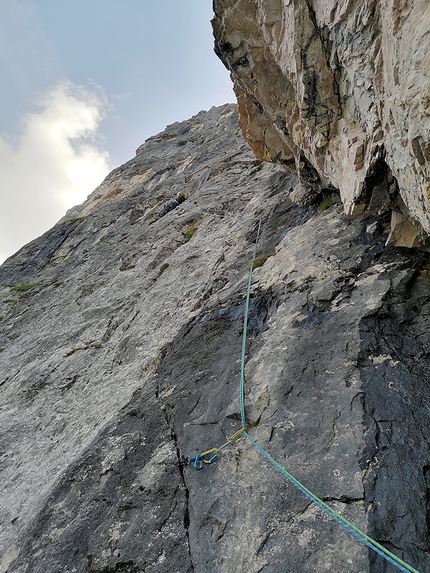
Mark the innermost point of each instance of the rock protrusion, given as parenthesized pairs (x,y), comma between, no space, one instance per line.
(335,86)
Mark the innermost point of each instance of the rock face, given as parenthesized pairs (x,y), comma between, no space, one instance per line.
(339,91)
(124,356)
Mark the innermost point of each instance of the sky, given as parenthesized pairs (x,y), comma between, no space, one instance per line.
(84,83)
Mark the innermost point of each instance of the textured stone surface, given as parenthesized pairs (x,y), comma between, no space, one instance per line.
(115,366)
(339,90)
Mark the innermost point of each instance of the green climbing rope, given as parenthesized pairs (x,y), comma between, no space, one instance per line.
(347,525)
(211,455)
(245,327)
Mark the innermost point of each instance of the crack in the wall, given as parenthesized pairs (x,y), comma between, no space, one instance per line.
(181,466)
(346,500)
(264,541)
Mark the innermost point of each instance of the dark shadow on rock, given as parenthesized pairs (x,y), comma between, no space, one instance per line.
(395,370)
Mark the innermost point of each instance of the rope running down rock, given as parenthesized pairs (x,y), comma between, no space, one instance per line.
(211,455)
(347,525)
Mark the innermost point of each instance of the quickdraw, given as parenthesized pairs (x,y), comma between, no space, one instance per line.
(210,456)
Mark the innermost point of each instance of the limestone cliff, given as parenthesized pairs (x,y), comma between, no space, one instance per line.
(339,91)
(120,353)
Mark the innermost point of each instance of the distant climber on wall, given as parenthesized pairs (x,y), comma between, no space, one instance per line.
(180,198)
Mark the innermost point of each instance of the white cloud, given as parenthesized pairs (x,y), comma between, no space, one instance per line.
(54,165)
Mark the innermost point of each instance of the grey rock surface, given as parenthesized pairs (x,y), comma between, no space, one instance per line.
(124,358)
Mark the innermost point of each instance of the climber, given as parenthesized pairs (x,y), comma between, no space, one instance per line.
(180,198)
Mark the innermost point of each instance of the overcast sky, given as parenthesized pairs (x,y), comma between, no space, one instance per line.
(84,83)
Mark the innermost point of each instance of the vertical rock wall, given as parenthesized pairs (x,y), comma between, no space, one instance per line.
(339,91)
(123,359)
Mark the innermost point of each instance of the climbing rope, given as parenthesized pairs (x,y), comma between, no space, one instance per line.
(210,456)
(351,528)
(245,328)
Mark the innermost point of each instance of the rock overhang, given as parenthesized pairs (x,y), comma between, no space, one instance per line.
(338,93)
